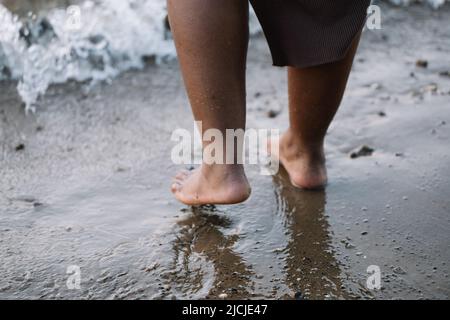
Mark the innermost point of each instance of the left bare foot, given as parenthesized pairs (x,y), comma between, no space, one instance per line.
(216,184)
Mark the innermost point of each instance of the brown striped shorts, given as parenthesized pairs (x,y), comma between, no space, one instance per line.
(305,33)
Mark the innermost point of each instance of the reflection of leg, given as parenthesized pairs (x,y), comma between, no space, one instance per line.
(314,97)
(311,267)
(201,234)
(211,39)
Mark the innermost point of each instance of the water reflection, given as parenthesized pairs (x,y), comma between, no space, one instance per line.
(200,235)
(206,264)
(311,269)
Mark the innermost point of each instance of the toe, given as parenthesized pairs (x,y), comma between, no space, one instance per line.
(175,187)
(182,175)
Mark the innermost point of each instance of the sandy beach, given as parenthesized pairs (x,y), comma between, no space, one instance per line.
(85,181)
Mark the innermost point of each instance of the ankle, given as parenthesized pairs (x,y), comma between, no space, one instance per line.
(293,145)
(223,169)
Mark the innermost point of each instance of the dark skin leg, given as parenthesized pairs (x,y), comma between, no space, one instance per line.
(211,39)
(314,97)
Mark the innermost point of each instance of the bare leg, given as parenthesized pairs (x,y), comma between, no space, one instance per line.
(314,98)
(211,39)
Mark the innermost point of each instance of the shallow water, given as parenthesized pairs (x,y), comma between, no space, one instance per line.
(90,187)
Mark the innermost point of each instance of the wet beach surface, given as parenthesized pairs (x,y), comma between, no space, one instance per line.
(85,181)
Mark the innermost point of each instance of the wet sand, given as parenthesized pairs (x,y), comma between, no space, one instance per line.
(85,181)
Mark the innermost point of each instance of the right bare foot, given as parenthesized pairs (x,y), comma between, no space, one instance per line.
(305,166)
(216,184)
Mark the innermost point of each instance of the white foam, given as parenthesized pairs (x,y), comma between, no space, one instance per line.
(113,37)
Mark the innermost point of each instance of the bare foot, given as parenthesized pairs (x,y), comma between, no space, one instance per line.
(305,166)
(217,184)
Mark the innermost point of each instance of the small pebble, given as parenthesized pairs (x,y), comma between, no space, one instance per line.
(364,151)
(20,147)
(273,113)
(349,246)
(298,295)
(422,63)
